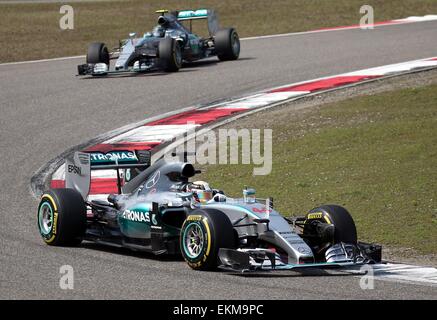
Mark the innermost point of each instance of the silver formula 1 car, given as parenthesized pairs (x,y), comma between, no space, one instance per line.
(166,47)
(161,211)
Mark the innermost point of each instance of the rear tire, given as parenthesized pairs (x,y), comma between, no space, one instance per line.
(170,55)
(97,53)
(227,44)
(214,230)
(345,230)
(62,217)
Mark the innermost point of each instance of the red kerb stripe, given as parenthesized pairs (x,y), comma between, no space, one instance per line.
(325,83)
(57,184)
(98,186)
(124,146)
(103,186)
(196,116)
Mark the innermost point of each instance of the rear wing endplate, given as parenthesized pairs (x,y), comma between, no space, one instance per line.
(78,167)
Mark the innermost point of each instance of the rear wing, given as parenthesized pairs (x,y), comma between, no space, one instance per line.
(193,14)
(118,157)
(209,14)
(79,166)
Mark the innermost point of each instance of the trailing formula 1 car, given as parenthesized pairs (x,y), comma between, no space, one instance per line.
(161,211)
(166,47)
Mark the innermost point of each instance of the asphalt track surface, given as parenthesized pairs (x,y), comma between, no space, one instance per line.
(45,110)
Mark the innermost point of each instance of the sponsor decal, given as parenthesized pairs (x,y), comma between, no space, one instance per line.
(315,215)
(193,14)
(303,250)
(194,218)
(261,210)
(127,175)
(136,216)
(154,224)
(113,156)
(74,169)
(154,219)
(153,179)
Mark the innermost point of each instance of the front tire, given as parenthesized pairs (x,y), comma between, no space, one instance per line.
(203,233)
(97,53)
(170,54)
(227,44)
(62,217)
(345,230)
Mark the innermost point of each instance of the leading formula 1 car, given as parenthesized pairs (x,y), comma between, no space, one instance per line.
(162,212)
(166,47)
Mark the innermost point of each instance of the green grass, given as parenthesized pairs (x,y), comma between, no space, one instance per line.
(31,31)
(375,155)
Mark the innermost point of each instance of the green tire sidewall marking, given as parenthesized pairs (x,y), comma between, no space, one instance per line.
(205,244)
(45,204)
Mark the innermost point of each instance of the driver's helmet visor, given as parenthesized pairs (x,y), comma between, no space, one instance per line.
(204,195)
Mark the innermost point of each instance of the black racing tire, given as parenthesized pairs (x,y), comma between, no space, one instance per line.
(170,54)
(97,53)
(62,217)
(227,44)
(345,230)
(215,230)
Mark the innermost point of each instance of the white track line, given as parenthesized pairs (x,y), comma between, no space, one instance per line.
(42,60)
(407,20)
(403,272)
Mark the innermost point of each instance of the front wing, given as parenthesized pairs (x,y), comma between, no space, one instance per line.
(147,63)
(247,260)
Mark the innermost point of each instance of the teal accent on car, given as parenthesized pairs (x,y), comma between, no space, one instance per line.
(122,157)
(135,221)
(184,244)
(192,14)
(45,218)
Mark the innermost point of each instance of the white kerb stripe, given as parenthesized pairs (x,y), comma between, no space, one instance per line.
(262,99)
(245,104)
(101,197)
(59,174)
(104,173)
(278,96)
(429,17)
(384,70)
(158,133)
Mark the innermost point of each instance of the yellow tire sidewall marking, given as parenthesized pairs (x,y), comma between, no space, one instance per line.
(55,222)
(51,200)
(326,217)
(208,234)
